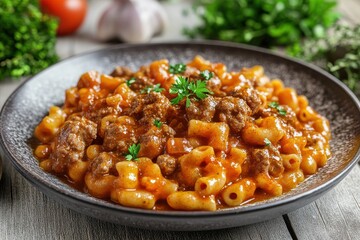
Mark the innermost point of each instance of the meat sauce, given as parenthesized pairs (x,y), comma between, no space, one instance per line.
(198,138)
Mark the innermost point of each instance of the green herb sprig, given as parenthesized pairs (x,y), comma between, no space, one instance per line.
(133,151)
(186,89)
(276,106)
(154,88)
(177,68)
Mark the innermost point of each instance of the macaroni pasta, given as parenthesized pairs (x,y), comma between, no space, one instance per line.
(193,137)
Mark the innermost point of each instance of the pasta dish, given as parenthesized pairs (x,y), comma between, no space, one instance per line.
(175,136)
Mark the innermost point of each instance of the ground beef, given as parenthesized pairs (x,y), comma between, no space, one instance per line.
(154,140)
(267,160)
(142,82)
(103,164)
(191,73)
(251,96)
(234,111)
(203,110)
(148,107)
(76,134)
(98,110)
(214,85)
(119,137)
(312,137)
(167,164)
(289,117)
(121,71)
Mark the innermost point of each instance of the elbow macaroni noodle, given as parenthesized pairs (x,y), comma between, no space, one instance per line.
(209,166)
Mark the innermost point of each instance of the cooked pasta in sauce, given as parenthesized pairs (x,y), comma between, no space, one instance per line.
(182,136)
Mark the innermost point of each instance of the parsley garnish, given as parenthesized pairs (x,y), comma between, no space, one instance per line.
(155,88)
(158,123)
(185,89)
(267,142)
(177,68)
(130,81)
(280,109)
(206,74)
(133,152)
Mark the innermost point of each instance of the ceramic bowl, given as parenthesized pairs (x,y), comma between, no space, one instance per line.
(30,102)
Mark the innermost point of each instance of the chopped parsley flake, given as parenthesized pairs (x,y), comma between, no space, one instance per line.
(177,68)
(206,74)
(130,81)
(276,106)
(155,88)
(158,123)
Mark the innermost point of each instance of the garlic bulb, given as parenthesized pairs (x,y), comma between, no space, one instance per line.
(132,21)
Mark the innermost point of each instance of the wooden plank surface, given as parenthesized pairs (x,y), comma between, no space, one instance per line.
(26,213)
(336,215)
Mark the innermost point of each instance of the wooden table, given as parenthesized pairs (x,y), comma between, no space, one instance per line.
(26,213)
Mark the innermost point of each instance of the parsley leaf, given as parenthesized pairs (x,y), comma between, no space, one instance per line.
(276,106)
(282,111)
(133,152)
(180,87)
(206,74)
(273,105)
(130,81)
(158,123)
(267,142)
(177,68)
(199,89)
(155,88)
(186,89)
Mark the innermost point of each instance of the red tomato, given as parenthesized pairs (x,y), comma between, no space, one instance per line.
(71,13)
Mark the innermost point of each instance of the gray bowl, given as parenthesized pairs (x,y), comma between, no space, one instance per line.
(1,168)
(31,101)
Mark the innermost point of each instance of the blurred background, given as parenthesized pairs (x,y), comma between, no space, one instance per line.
(37,33)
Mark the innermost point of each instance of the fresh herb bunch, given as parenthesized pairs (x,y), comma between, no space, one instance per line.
(264,23)
(338,53)
(27,38)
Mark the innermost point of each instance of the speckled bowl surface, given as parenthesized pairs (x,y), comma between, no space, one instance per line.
(30,102)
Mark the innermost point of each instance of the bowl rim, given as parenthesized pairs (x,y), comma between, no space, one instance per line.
(43,185)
